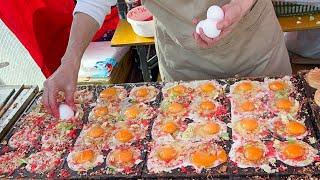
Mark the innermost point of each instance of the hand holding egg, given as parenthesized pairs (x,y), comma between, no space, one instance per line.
(209,25)
(227,17)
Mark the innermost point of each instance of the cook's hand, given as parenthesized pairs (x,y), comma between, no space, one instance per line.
(63,79)
(233,13)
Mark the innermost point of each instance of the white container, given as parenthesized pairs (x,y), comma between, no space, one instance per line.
(141,28)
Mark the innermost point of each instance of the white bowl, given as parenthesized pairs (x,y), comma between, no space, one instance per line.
(141,28)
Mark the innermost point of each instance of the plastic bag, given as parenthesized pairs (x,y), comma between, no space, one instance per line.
(305,43)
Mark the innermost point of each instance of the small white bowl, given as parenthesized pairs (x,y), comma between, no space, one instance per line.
(141,28)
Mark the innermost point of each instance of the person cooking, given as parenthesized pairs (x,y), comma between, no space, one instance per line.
(251,42)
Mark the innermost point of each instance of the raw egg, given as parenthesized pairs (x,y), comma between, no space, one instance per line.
(101,111)
(109,93)
(84,156)
(169,127)
(124,135)
(167,153)
(96,131)
(253,153)
(294,128)
(284,104)
(247,106)
(277,85)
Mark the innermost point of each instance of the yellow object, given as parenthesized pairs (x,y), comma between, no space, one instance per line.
(295,23)
(124,36)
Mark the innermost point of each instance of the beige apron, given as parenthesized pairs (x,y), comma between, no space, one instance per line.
(255,47)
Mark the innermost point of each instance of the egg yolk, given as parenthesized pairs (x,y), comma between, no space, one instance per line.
(277,86)
(211,128)
(124,135)
(132,112)
(284,104)
(249,124)
(142,92)
(179,89)
(101,111)
(169,127)
(175,108)
(207,129)
(222,156)
(247,106)
(109,92)
(95,132)
(295,128)
(207,105)
(123,156)
(84,156)
(244,87)
(207,88)
(293,150)
(167,153)
(203,159)
(253,153)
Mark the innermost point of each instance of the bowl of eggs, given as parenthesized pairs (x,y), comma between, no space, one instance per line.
(209,25)
(141,21)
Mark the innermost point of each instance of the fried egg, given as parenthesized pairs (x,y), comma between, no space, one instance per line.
(144,94)
(204,107)
(43,161)
(112,94)
(295,153)
(94,135)
(245,87)
(164,157)
(204,131)
(210,89)
(138,112)
(247,106)
(101,114)
(84,159)
(206,156)
(281,86)
(249,128)
(174,109)
(285,106)
(249,154)
(166,126)
(126,134)
(288,128)
(178,92)
(123,158)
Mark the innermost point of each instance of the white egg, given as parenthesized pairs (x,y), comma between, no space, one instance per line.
(65,112)
(199,25)
(215,13)
(210,28)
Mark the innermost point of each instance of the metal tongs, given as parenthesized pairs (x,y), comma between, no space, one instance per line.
(4,64)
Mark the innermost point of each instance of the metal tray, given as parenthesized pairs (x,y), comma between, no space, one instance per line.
(15,106)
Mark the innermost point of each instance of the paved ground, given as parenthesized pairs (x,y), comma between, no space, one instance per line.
(22,69)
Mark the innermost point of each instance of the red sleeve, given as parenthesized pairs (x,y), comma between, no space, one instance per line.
(42,26)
